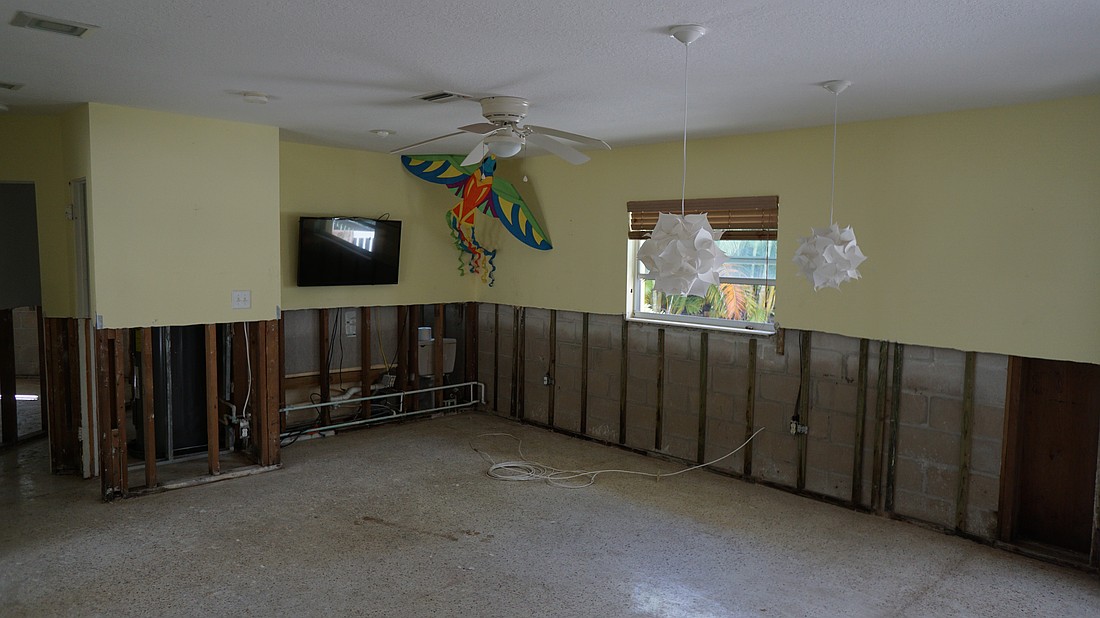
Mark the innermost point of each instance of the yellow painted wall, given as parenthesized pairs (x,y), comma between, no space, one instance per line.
(184,211)
(31,149)
(979,225)
(318,180)
(76,165)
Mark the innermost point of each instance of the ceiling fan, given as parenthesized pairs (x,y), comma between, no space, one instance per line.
(504,136)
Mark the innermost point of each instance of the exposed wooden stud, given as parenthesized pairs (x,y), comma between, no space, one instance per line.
(513,407)
(471,315)
(437,354)
(1094,547)
(1008,505)
(780,341)
(412,335)
(366,360)
(551,369)
(282,364)
(496,358)
(804,352)
(750,409)
(118,390)
(584,373)
(110,484)
(147,408)
(701,449)
(267,414)
(55,370)
(213,430)
(623,367)
(962,493)
(9,410)
(861,418)
(521,365)
(323,364)
(43,387)
(880,426)
(895,416)
(659,429)
(68,399)
(90,404)
(402,348)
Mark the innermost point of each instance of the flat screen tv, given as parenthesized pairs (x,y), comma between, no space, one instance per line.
(348,251)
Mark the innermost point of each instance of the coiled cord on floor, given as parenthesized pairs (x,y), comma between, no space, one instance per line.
(525,470)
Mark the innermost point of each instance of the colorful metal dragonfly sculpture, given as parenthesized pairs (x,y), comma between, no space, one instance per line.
(480,191)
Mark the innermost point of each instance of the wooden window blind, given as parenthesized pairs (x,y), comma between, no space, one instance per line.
(739,218)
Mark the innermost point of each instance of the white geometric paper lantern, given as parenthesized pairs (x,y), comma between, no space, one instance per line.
(829,256)
(681,254)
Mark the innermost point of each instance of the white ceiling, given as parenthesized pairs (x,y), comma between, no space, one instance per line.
(337,69)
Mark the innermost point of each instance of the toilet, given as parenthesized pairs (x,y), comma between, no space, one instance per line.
(426,356)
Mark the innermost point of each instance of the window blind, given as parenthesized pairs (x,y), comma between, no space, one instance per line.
(738,218)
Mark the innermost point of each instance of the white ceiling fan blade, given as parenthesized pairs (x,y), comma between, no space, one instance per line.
(427,141)
(580,139)
(481,128)
(555,147)
(476,155)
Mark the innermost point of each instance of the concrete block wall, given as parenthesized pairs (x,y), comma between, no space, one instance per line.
(930,407)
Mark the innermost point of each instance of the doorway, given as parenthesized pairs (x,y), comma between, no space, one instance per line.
(1049,474)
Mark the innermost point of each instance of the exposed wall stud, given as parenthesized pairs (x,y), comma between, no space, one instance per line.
(551,369)
(805,343)
(962,493)
(780,341)
(118,396)
(150,428)
(9,410)
(496,357)
(213,429)
(470,344)
(323,363)
(402,347)
(437,354)
(366,358)
(895,416)
(513,405)
(861,417)
(659,425)
(750,409)
(623,367)
(701,443)
(880,426)
(43,387)
(584,373)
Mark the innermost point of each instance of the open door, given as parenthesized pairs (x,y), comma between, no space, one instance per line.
(1048,497)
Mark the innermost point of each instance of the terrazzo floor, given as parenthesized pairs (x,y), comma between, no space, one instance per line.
(402,520)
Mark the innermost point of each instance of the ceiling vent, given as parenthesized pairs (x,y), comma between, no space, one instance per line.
(443,96)
(51,24)
(10,87)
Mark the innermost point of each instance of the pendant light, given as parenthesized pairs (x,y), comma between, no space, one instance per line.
(830,256)
(681,252)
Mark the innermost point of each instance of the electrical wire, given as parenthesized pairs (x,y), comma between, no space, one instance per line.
(832,188)
(684,175)
(525,470)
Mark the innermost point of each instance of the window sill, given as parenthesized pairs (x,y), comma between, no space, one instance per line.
(760,332)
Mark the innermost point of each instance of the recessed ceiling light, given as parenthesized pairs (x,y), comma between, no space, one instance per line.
(255,97)
(383,133)
(23,19)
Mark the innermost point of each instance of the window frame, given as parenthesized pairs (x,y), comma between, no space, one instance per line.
(732,211)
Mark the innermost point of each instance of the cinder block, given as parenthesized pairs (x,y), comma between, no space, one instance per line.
(603,412)
(721,349)
(835,396)
(836,343)
(985,456)
(842,429)
(925,508)
(768,360)
(642,366)
(728,379)
(830,457)
(948,356)
(932,447)
(684,448)
(989,422)
(985,491)
(990,386)
(722,406)
(942,482)
(827,364)
(568,355)
(912,409)
(931,377)
(678,344)
(683,372)
(945,414)
(917,352)
(777,387)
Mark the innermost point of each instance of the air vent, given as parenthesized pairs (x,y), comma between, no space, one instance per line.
(10,87)
(443,96)
(51,24)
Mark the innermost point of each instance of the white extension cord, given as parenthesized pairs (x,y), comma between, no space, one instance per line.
(526,470)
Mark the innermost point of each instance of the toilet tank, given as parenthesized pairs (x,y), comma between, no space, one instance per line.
(426,356)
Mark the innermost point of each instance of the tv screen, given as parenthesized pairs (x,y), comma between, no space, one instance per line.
(348,251)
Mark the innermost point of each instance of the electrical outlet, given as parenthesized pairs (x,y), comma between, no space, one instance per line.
(547,380)
(349,324)
(241,299)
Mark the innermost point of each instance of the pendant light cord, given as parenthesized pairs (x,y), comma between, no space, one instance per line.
(683,175)
(832,188)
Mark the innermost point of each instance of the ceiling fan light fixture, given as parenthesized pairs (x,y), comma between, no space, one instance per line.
(504,146)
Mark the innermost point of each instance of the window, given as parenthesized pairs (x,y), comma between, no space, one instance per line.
(745,296)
